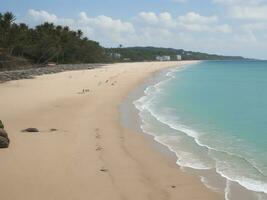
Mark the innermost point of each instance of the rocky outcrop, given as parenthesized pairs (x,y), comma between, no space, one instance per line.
(4,140)
(37,71)
(1,124)
(31,130)
(3,133)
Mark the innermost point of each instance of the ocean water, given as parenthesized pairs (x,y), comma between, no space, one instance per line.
(213,116)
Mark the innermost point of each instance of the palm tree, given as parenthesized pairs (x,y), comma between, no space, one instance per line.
(79,33)
(9,18)
(6,21)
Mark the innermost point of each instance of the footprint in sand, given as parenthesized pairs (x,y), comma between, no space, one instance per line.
(103,169)
(113,83)
(97,135)
(98,148)
(84,91)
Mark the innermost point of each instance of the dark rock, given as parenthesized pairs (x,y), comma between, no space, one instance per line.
(32,71)
(3,133)
(103,170)
(1,124)
(31,130)
(53,129)
(4,142)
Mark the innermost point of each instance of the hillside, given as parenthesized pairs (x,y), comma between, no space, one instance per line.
(150,54)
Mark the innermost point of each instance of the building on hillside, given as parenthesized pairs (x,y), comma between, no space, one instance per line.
(159,58)
(178,57)
(166,58)
(115,55)
(163,58)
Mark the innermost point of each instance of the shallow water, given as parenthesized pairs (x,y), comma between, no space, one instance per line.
(213,116)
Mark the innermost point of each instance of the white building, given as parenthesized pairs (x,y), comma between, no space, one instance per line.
(166,58)
(159,58)
(178,57)
(117,55)
(163,58)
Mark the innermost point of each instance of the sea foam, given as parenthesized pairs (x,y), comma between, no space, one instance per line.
(148,108)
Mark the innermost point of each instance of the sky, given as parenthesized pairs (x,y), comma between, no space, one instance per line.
(227,27)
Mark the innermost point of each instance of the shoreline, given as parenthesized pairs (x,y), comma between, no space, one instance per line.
(91,155)
(131,120)
(210,177)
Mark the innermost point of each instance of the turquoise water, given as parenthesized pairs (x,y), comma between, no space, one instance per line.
(213,115)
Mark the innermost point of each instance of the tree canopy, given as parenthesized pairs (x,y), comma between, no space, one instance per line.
(47,43)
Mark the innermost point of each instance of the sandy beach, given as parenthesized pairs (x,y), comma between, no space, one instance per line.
(89,155)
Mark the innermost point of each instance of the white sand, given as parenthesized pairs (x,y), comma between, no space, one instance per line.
(66,164)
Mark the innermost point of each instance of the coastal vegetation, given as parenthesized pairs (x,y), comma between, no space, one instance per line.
(150,53)
(21,46)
